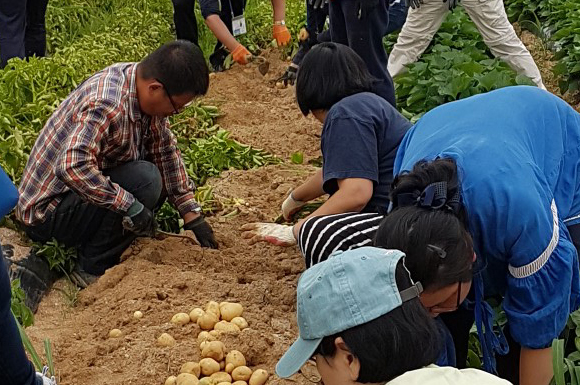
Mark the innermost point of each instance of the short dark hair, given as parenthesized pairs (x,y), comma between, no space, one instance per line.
(415,230)
(329,73)
(180,66)
(404,339)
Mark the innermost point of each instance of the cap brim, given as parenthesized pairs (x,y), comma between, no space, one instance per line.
(296,356)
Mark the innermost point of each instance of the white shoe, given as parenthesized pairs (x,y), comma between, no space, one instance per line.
(44,377)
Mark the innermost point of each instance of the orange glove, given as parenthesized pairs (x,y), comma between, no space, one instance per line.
(281,34)
(241,55)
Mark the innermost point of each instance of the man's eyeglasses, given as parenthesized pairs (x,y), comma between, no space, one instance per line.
(175,109)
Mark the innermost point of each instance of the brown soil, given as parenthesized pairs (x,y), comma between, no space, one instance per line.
(161,278)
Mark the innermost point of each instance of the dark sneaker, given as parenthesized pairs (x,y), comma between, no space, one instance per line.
(81,278)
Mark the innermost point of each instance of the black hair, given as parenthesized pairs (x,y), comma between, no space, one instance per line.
(437,243)
(328,73)
(404,339)
(180,66)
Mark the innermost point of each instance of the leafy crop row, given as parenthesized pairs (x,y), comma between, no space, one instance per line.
(560,21)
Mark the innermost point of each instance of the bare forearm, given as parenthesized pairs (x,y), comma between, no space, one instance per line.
(221,32)
(311,189)
(279,7)
(536,366)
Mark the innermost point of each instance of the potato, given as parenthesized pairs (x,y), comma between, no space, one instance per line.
(222,365)
(215,350)
(187,379)
(242,373)
(206,381)
(209,366)
(165,340)
(195,314)
(180,319)
(205,336)
(207,321)
(230,368)
(240,383)
(236,358)
(138,315)
(259,377)
(214,333)
(280,85)
(171,380)
(225,326)
(203,345)
(115,333)
(191,368)
(213,307)
(240,322)
(221,377)
(225,383)
(229,310)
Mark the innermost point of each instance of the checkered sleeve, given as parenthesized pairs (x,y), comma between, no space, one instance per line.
(167,157)
(77,166)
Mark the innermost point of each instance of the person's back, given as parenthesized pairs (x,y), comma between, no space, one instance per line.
(433,375)
(368,116)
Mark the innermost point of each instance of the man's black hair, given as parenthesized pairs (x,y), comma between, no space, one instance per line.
(404,339)
(180,66)
(329,73)
(415,230)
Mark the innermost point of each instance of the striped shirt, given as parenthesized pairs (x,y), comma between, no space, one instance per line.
(319,237)
(97,127)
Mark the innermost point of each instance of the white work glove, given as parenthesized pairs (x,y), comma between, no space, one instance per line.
(291,206)
(279,235)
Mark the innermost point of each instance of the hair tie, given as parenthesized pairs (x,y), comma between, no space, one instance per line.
(434,196)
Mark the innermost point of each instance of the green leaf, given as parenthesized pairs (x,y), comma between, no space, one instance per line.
(297,158)
(558,361)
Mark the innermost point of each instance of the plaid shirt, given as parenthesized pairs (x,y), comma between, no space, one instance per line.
(100,126)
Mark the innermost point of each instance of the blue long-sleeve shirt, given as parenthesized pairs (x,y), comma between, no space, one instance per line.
(8,194)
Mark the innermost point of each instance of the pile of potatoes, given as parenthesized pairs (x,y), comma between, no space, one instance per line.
(216,367)
(222,317)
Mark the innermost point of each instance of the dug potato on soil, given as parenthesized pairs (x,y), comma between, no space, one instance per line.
(214,349)
(230,310)
(221,377)
(191,368)
(209,366)
(235,358)
(187,379)
(171,380)
(240,322)
(213,307)
(242,373)
(115,333)
(207,321)
(180,319)
(195,314)
(165,340)
(259,377)
(225,326)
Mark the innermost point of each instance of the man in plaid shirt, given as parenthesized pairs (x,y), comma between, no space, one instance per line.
(106,158)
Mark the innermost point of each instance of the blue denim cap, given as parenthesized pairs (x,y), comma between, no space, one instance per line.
(349,289)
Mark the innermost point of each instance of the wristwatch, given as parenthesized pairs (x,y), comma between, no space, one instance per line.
(281,22)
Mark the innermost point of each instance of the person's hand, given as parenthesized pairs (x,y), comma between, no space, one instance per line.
(139,220)
(202,231)
(365,7)
(452,3)
(415,3)
(281,34)
(289,76)
(291,206)
(279,235)
(241,55)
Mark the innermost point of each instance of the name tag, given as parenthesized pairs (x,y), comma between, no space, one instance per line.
(239,25)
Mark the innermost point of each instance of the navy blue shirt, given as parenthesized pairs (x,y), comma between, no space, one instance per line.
(360,138)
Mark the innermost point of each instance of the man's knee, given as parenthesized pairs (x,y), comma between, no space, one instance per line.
(151,183)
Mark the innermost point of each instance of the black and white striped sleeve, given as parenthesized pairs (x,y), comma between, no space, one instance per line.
(321,236)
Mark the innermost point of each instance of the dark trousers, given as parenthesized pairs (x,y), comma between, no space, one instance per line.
(22,29)
(315,21)
(184,20)
(365,37)
(15,368)
(98,232)
(397,16)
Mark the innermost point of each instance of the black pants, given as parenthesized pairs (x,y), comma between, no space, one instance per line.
(15,368)
(365,37)
(459,324)
(22,29)
(184,20)
(97,232)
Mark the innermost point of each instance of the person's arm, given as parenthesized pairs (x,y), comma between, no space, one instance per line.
(352,196)
(77,165)
(311,189)
(279,8)
(536,366)
(221,32)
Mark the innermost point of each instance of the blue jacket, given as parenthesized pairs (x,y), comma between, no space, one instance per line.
(8,194)
(518,155)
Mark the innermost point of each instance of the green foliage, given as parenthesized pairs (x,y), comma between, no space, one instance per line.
(297,158)
(561,21)
(22,313)
(455,66)
(59,257)
(566,353)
